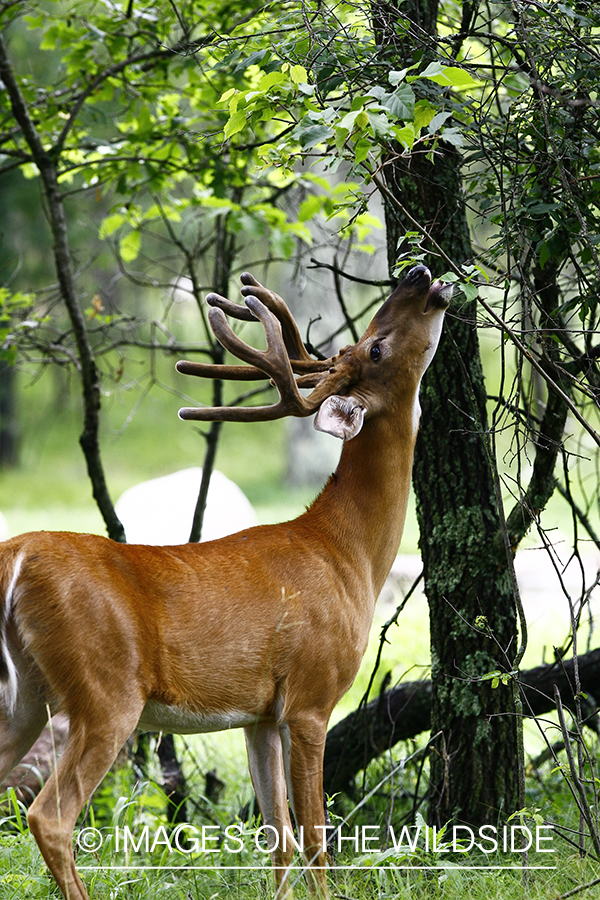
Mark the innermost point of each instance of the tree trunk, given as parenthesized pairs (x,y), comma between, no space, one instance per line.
(174,785)
(404,712)
(8,416)
(474,760)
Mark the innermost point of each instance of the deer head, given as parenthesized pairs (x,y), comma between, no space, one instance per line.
(355,384)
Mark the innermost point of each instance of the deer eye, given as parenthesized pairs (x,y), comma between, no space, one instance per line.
(375,352)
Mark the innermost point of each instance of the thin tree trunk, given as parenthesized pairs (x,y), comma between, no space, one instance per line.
(225,251)
(88,371)
(174,783)
(9,454)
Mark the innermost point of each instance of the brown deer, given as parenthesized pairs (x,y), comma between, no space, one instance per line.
(262,630)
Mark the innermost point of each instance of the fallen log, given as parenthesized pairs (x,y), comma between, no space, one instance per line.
(403,712)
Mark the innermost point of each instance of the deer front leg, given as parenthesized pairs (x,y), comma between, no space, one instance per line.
(265,758)
(304,764)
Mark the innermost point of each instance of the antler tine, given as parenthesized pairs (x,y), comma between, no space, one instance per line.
(235,310)
(215,370)
(291,336)
(231,373)
(301,361)
(273,362)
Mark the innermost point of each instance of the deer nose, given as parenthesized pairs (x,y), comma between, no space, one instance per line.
(417,272)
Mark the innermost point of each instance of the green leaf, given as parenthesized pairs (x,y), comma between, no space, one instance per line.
(298,74)
(453,136)
(309,208)
(312,134)
(362,120)
(380,124)
(471,291)
(30,170)
(438,120)
(401,103)
(424,114)
(50,38)
(35,21)
(544,253)
(10,301)
(362,149)
(226,97)
(433,69)
(111,224)
(236,123)
(450,76)
(272,79)
(347,123)
(130,246)
(164,211)
(406,135)
(490,676)
(395,77)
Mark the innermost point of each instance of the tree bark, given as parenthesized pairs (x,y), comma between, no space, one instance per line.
(474,759)
(404,712)
(174,784)
(8,416)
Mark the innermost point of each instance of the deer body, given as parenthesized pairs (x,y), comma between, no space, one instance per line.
(264,629)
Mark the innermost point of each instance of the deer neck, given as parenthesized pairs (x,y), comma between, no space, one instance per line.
(361,510)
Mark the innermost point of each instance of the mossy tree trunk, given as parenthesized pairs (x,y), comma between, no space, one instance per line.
(474,759)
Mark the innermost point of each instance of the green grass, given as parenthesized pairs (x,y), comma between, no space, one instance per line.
(428,871)
(29,879)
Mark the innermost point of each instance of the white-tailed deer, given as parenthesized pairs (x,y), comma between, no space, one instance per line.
(262,630)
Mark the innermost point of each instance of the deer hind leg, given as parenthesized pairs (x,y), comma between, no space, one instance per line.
(265,757)
(17,736)
(20,726)
(91,749)
(304,745)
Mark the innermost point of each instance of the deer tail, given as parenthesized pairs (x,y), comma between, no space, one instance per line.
(8,671)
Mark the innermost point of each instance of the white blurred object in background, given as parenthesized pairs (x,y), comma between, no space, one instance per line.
(160,511)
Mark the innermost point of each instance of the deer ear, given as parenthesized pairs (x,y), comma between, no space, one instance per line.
(342,417)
